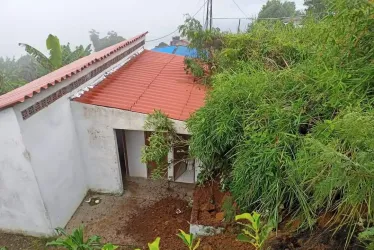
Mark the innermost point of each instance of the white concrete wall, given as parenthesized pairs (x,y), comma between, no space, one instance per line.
(51,139)
(53,156)
(95,126)
(135,141)
(21,206)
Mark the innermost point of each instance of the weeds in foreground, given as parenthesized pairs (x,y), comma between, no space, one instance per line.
(189,240)
(229,210)
(367,237)
(155,245)
(254,232)
(75,241)
(109,246)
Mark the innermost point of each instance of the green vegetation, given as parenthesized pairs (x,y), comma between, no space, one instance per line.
(58,55)
(229,210)
(163,138)
(316,7)
(206,42)
(75,241)
(109,246)
(189,240)
(367,237)
(289,118)
(278,9)
(155,245)
(104,42)
(254,231)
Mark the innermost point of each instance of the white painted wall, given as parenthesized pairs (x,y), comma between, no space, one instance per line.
(135,141)
(45,184)
(95,126)
(21,206)
(51,139)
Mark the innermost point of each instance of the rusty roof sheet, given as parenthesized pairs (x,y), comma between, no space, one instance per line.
(151,81)
(57,76)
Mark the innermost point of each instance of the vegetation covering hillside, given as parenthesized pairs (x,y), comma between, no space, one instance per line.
(289,122)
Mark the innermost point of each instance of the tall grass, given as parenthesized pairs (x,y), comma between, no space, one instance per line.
(290,116)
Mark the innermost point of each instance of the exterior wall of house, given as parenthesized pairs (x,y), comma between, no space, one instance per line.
(56,158)
(22,208)
(134,142)
(51,140)
(95,126)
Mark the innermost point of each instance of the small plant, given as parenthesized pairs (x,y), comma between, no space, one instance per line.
(229,210)
(109,246)
(3,248)
(155,245)
(254,232)
(367,237)
(75,241)
(188,240)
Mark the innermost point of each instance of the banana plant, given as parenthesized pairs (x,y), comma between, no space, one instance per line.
(58,55)
(189,240)
(155,245)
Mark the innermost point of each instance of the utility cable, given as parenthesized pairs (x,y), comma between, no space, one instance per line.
(177,28)
(237,5)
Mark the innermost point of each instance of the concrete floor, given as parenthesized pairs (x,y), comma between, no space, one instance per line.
(108,217)
(187,177)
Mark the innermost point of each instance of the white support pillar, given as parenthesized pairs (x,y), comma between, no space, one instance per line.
(171,164)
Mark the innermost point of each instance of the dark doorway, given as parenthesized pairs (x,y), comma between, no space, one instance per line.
(122,153)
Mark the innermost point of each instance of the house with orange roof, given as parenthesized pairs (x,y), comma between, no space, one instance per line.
(80,128)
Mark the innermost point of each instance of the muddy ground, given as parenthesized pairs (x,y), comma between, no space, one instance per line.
(109,218)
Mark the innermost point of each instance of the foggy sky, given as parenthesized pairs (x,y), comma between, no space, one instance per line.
(30,21)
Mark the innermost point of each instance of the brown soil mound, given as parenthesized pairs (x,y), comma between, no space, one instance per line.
(162,219)
(207,202)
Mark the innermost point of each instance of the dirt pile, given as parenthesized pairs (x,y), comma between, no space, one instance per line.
(162,219)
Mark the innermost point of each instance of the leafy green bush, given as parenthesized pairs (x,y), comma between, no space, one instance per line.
(290,116)
(75,241)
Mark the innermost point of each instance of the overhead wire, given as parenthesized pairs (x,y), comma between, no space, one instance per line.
(237,5)
(177,28)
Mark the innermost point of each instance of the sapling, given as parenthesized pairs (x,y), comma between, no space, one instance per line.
(189,240)
(254,232)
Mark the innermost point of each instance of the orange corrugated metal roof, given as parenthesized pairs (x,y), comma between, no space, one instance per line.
(152,80)
(28,90)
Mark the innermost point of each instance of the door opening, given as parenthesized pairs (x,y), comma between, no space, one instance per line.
(184,167)
(122,154)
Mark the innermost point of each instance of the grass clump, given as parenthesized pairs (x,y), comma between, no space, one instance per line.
(290,119)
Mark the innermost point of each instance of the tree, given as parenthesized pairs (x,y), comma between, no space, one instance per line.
(277,9)
(58,55)
(316,7)
(102,43)
(161,45)
(9,75)
(69,56)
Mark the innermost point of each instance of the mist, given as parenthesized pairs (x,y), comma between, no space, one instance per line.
(30,22)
